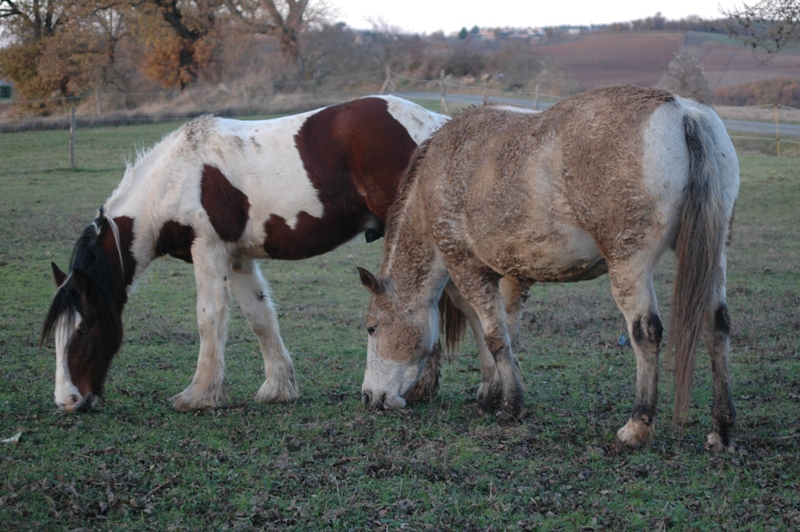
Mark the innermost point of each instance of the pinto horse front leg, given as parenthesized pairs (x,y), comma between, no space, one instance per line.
(252,292)
(212,271)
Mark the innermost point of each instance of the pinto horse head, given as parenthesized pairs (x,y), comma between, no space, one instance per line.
(403,350)
(85,315)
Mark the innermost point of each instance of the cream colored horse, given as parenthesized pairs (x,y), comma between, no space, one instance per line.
(602,182)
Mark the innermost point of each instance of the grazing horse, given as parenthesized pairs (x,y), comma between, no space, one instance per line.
(222,194)
(602,182)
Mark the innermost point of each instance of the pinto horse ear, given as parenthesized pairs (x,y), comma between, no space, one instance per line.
(369,281)
(58,275)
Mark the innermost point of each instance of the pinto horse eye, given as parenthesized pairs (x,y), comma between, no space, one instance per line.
(371,329)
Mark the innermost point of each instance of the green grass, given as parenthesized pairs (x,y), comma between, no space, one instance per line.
(325,462)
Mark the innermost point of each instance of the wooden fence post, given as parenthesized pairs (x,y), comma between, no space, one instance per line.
(72,138)
(777,131)
(444,93)
(536,98)
(388,84)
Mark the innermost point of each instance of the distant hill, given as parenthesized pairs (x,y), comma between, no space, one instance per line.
(599,59)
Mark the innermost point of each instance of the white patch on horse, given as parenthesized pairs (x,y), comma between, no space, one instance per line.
(277,187)
(66,394)
(398,373)
(417,120)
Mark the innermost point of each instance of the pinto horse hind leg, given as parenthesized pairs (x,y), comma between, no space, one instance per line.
(211,274)
(632,287)
(716,337)
(252,292)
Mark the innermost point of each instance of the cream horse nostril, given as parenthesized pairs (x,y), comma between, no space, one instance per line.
(366,398)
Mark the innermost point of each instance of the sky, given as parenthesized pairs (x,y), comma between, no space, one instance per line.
(428,16)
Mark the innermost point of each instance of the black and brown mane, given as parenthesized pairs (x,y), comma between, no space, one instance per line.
(95,291)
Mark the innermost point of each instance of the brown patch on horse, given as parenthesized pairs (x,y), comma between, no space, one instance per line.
(341,150)
(310,237)
(175,239)
(227,206)
(337,146)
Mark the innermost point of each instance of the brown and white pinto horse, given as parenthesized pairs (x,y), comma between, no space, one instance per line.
(601,182)
(221,194)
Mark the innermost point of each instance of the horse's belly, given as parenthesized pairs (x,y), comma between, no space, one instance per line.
(565,256)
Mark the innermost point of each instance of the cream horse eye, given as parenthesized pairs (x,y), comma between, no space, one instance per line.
(371,329)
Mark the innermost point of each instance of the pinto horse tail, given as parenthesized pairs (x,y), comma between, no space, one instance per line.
(699,248)
(452,326)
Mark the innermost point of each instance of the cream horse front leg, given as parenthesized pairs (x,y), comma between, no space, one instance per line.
(512,294)
(502,390)
(252,292)
(212,271)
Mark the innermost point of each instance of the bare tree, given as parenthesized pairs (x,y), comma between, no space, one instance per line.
(283,19)
(179,35)
(767,27)
(33,19)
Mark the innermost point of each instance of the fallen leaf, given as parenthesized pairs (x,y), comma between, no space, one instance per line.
(13,439)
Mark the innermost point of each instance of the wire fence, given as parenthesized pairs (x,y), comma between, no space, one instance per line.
(87,136)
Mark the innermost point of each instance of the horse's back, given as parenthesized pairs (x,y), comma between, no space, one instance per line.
(553,196)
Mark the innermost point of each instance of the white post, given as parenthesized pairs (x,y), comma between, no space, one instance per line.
(72,138)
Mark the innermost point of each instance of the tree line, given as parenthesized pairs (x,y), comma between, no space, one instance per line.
(66,47)
(55,49)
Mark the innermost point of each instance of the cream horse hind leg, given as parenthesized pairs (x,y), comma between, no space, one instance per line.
(252,292)
(632,287)
(716,337)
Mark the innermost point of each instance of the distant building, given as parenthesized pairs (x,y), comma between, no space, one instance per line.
(6,90)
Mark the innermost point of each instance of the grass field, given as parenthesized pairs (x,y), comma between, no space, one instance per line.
(325,462)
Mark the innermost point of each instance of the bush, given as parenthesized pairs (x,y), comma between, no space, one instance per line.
(783,91)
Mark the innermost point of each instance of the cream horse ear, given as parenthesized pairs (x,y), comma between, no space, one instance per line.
(369,281)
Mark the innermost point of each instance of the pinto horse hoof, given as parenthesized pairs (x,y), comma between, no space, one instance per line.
(282,392)
(188,400)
